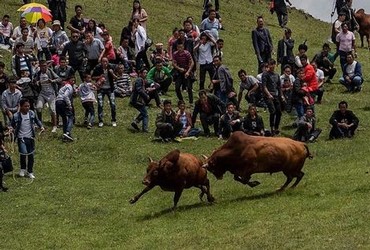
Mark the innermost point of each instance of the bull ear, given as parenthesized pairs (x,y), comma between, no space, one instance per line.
(205,157)
(173,156)
(150,159)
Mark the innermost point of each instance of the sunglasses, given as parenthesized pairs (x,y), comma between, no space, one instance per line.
(75,36)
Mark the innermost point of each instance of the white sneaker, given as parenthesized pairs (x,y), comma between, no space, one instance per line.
(114,124)
(22,173)
(31,176)
(101,124)
(68,136)
(54,130)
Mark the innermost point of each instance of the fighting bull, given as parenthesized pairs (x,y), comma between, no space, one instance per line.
(176,172)
(244,155)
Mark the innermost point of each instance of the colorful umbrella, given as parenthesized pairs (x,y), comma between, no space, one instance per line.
(33,14)
(29,5)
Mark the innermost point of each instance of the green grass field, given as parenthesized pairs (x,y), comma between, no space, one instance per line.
(79,199)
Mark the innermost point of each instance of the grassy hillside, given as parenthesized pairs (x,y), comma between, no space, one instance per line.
(79,199)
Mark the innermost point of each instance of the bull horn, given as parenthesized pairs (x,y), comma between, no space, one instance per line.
(205,157)
(205,166)
(150,159)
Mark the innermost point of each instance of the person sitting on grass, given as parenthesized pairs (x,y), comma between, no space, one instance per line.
(184,117)
(167,126)
(352,75)
(344,122)
(229,122)
(253,123)
(307,130)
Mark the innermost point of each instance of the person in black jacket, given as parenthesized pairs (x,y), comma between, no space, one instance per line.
(281,11)
(229,121)
(77,52)
(344,122)
(285,54)
(58,10)
(262,43)
(210,108)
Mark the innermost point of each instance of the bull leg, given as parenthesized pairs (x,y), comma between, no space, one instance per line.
(299,178)
(203,191)
(177,197)
(210,198)
(289,179)
(246,181)
(362,40)
(1,181)
(135,199)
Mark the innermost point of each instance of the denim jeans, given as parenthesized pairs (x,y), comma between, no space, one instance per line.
(112,103)
(26,148)
(66,114)
(143,116)
(356,83)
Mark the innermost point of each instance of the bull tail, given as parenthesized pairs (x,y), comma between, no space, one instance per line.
(308,155)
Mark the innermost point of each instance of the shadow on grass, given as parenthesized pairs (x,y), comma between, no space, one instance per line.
(255,197)
(171,210)
(367,108)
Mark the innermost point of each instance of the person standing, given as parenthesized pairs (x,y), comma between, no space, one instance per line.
(183,64)
(138,100)
(345,42)
(64,108)
(273,95)
(86,91)
(58,10)
(23,123)
(262,43)
(281,11)
(223,79)
(10,99)
(103,73)
(139,33)
(285,54)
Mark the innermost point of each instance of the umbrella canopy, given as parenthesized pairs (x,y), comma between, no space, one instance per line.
(33,14)
(29,5)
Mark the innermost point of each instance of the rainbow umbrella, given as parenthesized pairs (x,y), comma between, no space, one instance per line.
(29,5)
(33,14)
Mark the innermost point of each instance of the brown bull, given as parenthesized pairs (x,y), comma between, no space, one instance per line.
(175,172)
(364,24)
(244,155)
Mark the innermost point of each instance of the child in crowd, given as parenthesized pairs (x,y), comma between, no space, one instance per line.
(286,86)
(139,99)
(86,92)
(184,118)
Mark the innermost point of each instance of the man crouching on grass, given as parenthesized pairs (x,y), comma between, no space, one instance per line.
(24,130)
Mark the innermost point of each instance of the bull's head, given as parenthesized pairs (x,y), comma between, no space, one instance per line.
(212,165)
(152,172)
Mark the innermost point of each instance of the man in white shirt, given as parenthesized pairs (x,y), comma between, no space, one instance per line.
(6,30)
(205,58)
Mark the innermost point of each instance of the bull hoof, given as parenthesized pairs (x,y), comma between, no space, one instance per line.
(201,196)
(211,199)
(132,200)
(254,183)
(282,189)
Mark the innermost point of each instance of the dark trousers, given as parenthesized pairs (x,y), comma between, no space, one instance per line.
(274,107)
(282,18)
(265,57)
(91,63)
(330,72)
(165,84)
(181,80)
(89,112)
(209,119)
(26,148)
(44,52)
(203,69)
(67,115)
(78,66)
(337,132)
(226,129)
(142,58)
(154,95)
